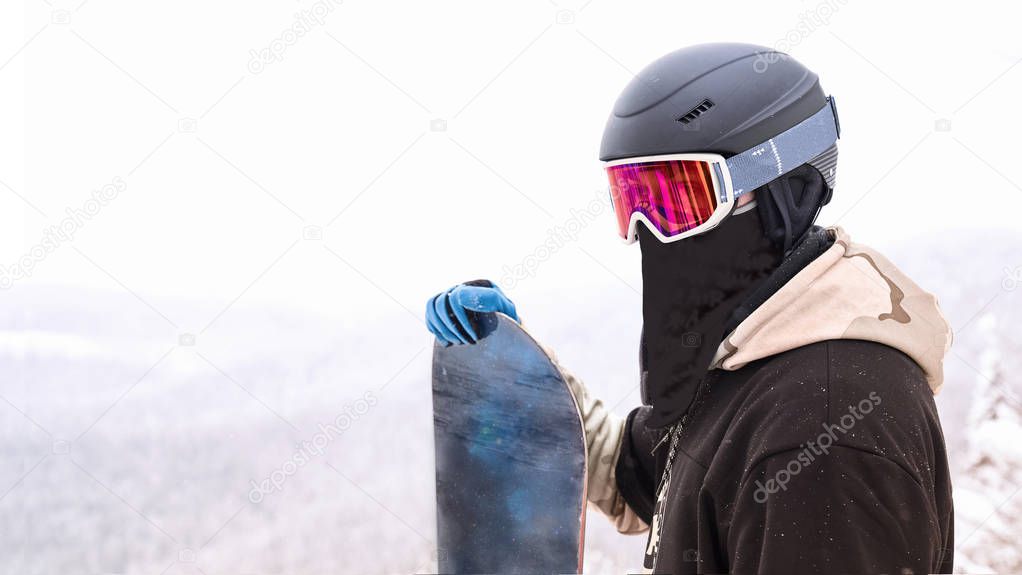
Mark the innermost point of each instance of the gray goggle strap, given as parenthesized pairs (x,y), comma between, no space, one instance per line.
(786,151)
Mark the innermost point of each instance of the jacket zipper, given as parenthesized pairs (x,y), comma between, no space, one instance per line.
(665,484)
(665,479)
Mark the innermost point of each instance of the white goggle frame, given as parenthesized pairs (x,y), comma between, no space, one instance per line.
(722,189)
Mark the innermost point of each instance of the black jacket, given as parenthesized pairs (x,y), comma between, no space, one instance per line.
(828,458)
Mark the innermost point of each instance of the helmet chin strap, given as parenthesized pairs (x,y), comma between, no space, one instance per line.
(789,205)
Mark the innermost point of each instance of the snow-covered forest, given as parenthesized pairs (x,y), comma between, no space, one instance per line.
(981,406)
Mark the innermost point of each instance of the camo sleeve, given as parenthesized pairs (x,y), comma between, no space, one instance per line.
(604,434)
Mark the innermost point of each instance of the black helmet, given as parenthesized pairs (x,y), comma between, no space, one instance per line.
(726,98)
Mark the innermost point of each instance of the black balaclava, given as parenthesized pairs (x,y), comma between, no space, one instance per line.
(691,287)
(689,290)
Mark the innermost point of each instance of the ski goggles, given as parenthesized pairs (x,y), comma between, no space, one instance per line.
(680,195)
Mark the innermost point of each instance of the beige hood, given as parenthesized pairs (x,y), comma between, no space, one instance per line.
(848,292)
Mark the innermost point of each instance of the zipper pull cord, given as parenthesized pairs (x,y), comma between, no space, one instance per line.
(666,436)
(674,434)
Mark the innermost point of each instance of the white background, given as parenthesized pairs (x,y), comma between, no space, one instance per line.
(292,218)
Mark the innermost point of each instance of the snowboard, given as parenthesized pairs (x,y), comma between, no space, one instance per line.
(510,456)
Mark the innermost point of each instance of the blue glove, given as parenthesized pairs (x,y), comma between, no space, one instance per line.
(447,314)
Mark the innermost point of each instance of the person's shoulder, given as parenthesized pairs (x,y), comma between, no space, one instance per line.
(864,369)
(828,376)
(863,395)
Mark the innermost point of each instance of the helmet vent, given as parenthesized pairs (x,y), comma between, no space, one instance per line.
(696,112)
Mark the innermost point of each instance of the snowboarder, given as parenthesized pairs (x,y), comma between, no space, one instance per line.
(787,373)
